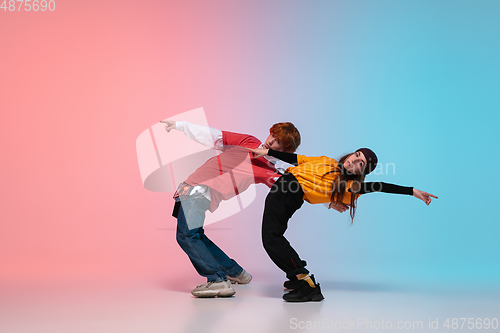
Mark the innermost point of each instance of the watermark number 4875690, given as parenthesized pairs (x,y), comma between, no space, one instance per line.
(28,5)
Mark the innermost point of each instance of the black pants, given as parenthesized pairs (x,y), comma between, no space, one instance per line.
(285,197)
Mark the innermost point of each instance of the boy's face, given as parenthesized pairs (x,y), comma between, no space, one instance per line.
(272,143)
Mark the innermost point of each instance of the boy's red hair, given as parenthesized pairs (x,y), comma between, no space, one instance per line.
(287,135)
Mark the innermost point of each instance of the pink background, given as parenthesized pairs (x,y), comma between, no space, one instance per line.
(78,86)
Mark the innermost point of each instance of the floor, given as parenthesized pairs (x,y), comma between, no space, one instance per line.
(165,305)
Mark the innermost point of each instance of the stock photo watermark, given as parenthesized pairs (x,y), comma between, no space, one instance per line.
(369,324)
(28,5)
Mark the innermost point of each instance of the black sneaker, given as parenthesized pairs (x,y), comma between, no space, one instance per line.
(294,283)
(305,293)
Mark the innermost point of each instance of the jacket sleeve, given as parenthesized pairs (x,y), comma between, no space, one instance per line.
(385,188)
(207,136)
(238,139)
(286,157)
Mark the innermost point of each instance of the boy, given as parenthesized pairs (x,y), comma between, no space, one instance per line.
(221,178)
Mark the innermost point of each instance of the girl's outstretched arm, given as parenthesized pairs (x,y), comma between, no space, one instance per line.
(286,157)
(424,196)
(258,152)
(371,187)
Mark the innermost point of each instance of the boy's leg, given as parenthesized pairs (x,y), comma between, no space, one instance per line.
(228,265)
(203,261)
(190,240)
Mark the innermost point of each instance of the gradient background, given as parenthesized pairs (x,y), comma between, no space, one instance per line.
(416,81)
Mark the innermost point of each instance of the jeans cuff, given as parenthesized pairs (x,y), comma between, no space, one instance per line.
(235,275)
(219,279)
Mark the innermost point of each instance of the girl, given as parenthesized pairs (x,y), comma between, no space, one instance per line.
(315,180)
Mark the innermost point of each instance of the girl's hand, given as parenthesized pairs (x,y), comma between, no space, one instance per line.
(424,196)
(170,125)
(258,152)
(339,207)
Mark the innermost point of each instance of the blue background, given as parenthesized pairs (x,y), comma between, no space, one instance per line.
(418,83)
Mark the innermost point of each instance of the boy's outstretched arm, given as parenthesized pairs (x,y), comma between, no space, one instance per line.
(207,136)
(170,125)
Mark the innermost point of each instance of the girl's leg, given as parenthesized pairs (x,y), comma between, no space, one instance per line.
(285,197)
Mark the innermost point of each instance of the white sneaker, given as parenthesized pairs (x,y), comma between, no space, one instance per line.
(212,289)
(242,278)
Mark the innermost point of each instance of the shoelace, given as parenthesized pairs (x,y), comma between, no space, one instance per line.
(208,284)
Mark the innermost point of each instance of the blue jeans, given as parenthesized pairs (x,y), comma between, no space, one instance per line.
(207,258)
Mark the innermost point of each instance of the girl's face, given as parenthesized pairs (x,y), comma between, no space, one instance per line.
(272,143)
(355,163)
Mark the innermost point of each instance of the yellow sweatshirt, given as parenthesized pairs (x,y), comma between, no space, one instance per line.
(311,173)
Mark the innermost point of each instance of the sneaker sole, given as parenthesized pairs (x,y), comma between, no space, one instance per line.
(213,293)
(317,297)
(239,282)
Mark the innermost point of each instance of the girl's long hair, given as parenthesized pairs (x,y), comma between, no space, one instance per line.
(339,185)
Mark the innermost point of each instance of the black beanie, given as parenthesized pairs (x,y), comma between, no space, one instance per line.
(371,159)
